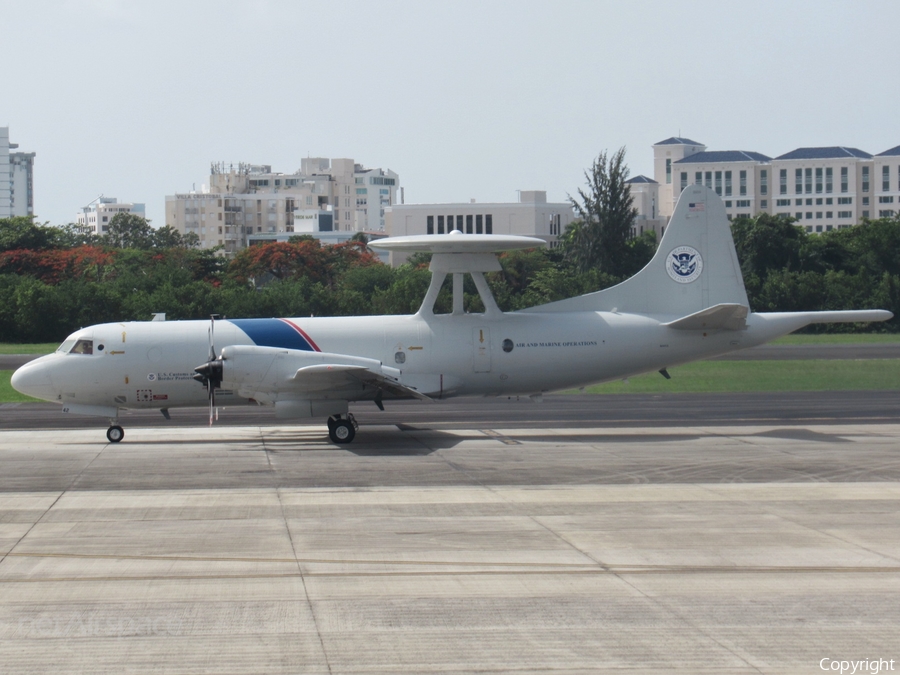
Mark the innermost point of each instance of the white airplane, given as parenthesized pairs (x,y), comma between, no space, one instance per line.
(688,303)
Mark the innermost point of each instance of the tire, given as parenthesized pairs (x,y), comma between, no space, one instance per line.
(331,422)
(342,431)
(115,434)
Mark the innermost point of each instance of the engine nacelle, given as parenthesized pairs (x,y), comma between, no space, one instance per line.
(269,372)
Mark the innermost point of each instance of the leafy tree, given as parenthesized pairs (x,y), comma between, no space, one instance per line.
(55,265)
(20,232)
(767,242)
(300,257)
(599,240)
(72,235)
(169,237)
(129,230)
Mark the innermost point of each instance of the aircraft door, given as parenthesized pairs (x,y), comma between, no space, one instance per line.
(481,340)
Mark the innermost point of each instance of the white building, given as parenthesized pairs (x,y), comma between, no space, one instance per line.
(16,179)
(531,216)
(323,198)
(824,188)
(94,218)
(5,206)
(645,195)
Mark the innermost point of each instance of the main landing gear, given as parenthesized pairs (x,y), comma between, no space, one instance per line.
(115,433)
(342,428)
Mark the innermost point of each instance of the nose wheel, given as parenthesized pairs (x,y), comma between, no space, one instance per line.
(115,433)
(342,429)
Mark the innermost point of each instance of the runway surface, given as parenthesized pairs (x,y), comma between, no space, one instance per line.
(556,411)
(708,534)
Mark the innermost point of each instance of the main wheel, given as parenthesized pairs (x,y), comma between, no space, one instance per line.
(115,433)
(342,431)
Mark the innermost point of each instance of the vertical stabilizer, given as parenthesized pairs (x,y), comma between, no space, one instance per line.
(695,267)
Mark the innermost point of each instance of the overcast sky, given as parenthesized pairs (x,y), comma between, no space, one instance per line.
(464,99)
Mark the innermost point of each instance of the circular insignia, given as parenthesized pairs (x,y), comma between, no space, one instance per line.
(684,264)
(152,377)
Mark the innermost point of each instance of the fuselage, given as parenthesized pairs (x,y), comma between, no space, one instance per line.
(151,364)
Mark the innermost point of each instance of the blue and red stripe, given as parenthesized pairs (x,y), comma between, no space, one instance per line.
(280,333)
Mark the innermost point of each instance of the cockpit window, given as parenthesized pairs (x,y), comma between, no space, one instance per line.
(66,346)
(83,347)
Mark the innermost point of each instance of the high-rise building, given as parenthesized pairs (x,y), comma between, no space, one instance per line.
(16,179)
(331,199)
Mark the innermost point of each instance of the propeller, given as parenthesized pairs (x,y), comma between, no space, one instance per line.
(210,373)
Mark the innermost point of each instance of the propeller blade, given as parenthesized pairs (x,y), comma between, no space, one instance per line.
(212,336)
(212,402)
(210,373)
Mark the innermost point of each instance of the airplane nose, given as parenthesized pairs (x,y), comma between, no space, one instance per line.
(33,379)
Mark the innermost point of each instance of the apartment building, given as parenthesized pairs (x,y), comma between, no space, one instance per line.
(251,202)
(531,216)
(94,218)
(16,179)
(823,188)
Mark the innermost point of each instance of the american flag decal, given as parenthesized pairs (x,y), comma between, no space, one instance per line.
(696,206)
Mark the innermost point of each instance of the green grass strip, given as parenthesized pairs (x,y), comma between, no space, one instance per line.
(7,393)
(839,339)
(762,376)
(40,348)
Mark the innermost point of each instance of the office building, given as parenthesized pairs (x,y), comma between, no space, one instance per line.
(823,188)
(531,216)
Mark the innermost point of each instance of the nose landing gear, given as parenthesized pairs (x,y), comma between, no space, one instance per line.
(342,428)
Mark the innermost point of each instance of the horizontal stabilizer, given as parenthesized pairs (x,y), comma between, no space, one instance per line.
(725,316)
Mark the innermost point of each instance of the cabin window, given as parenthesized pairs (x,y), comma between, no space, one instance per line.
(66,346)
(83,347)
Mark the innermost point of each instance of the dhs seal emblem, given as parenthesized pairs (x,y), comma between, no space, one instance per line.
(684,264)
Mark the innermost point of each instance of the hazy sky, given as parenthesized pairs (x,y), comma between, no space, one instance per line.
(464,99)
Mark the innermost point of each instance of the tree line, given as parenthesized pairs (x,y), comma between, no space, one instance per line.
(55,280)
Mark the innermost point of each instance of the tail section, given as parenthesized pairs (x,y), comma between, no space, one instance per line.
(695,268)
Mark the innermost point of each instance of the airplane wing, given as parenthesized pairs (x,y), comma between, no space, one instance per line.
(725,315)
(272,373)
(334,376)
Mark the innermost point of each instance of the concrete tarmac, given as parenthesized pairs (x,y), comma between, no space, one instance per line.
(732,547)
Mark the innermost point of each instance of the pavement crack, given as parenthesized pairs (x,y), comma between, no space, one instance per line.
(287,528)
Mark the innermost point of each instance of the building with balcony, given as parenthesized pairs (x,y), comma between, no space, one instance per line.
(246,201)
